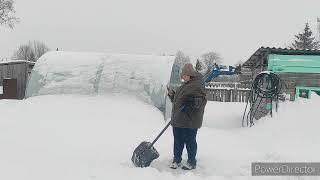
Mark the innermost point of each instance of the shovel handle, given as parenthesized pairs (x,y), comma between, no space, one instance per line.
(163,130)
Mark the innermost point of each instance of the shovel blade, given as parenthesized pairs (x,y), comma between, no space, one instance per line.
(143,155)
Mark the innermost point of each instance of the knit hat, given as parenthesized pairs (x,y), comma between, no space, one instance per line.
(188,70)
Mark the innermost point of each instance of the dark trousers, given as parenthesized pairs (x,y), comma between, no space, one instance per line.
(185,136)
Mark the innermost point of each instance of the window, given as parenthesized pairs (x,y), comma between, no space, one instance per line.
(303,93)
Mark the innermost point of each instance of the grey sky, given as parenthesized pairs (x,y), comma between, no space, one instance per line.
(234,28)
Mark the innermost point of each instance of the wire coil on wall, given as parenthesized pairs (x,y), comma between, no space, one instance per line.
(266,85)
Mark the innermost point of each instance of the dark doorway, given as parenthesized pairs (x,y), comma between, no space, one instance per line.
(10,88)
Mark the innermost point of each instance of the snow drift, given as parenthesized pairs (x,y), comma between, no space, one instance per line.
(93,137)
(144,76)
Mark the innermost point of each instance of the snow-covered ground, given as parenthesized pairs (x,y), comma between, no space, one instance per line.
(112,102)
(92,137)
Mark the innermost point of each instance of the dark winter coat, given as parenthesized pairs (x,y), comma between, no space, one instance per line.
(188,103)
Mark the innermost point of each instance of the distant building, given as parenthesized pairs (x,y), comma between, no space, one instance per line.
(14,76)
(298,69)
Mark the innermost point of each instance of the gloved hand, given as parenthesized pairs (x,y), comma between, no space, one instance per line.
(171,95)
(171,92)
(185,109)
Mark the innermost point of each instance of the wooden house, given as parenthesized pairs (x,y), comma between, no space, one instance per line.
(298,69)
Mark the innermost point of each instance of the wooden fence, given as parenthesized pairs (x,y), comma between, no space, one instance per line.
(227,92)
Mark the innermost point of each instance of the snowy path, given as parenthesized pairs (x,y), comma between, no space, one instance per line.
(72,137)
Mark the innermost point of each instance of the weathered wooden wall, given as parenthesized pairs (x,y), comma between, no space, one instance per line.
(292,80)
(16,70)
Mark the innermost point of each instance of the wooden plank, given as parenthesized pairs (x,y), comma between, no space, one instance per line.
(11,71)
(232,95)
(20,73)
(1,75)
(4,71)
(216,95)
(241,95)
(228,95)
(223,95)
(210,98)
(15,74)
(208,94)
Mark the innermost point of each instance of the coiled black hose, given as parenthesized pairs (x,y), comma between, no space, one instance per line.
(266,85)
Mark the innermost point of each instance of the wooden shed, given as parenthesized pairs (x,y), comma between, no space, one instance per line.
(14,76)
(298,69)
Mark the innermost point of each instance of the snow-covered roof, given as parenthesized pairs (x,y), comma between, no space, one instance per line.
(16,62)
(263,51)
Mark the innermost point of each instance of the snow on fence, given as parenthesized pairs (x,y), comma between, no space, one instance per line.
(227,91)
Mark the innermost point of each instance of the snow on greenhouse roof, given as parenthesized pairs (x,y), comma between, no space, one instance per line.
(144,76)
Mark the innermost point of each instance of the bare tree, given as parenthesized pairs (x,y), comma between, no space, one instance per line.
(210,58)
(31,51)
(39,49)
(24,52)
(181,58)
(7,13)
(318,29)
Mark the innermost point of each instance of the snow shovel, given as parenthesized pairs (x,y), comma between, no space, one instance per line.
(145,153)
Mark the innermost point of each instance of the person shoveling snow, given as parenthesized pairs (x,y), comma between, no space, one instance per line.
(187,114)
(190,95)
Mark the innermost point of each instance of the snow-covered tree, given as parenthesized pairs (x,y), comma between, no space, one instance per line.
(31,51)
(305,40)
(7,13)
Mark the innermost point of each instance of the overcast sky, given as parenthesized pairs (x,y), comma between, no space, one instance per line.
(233,28)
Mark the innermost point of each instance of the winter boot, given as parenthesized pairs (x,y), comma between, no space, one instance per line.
(189,166)
(175,165)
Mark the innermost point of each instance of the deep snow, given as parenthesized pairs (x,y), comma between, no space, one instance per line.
(82,137)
